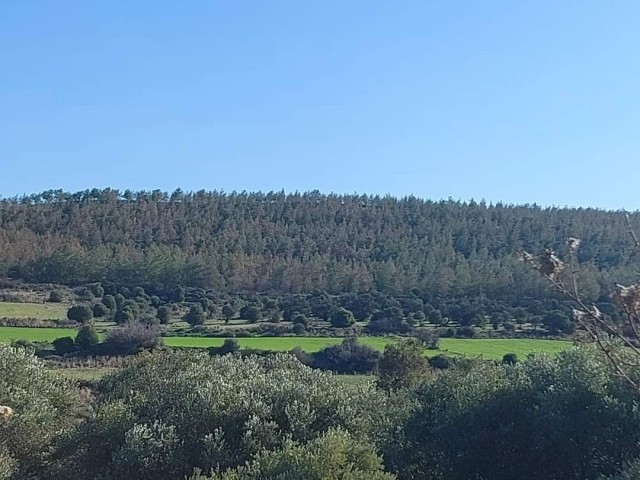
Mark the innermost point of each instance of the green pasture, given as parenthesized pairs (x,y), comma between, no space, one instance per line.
(481,347)
(8,334)
(40,311)
(486,348)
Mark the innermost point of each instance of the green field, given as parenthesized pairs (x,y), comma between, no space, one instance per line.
(41,311)
(7,334)
(486,348)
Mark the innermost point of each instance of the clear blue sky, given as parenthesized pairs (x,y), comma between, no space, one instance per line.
(514,101)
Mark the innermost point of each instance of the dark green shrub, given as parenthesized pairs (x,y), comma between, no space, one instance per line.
(87,337)
(80,313)
(195,315)
(164,314)
(251,313)
(342,318)
(440,362)
(510,358)
(100,310)
(109,301)
(64,345)
(56,296)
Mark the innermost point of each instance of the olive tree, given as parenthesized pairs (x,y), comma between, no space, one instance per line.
(38,406)
(169,413)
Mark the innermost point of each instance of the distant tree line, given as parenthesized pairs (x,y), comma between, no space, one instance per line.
(295,243)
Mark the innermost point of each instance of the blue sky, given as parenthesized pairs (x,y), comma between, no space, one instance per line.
(513,101)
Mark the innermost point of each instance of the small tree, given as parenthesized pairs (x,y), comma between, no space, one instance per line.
(97,290)
(300,319)
(109,301)
(195,315)
(179,294)
(342,318)
(251,313)
(100,310)
(64,345)
(230,345)
(164,314)
(228,312)
(80,313)
(130,339)
(56,296)
(510,358)
(402,366)
(87,337)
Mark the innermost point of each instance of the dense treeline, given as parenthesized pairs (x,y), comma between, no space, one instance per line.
(179,415)
(295,243)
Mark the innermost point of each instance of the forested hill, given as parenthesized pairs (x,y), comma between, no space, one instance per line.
(301,242)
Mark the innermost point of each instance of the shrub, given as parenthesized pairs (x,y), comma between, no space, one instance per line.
(87,337)
(342,318)
(64,345)
(230,345)
(348,357)
(130,339)
(169,413)
(562,417)
(195,315)
(100,310)
(80,313)
(299,329)
(402,366)
(97,290)
(440,362)
(465,332)
(45,406)
(300,319)
(510,358)
(251,313)
(109,301)
(164,314)
(333,455)
(56,296)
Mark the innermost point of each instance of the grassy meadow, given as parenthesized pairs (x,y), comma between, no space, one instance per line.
(486,348)
(40,311)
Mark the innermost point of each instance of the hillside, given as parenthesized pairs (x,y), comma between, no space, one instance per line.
(298,243)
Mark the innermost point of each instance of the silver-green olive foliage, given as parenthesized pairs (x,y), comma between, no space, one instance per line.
(167,414)
(43,406)
(333,455)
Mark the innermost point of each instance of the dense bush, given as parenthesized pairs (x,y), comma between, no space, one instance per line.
(100,310)
(196,315)
(348,357)
(251,313)
(80,313)
(44,406)
(130,339)
(565,417)
(56,296)
(87,337)
(332,456)
(164,314)
(402,366)
(109,301)
(342,318)
(64,345)
(167,414)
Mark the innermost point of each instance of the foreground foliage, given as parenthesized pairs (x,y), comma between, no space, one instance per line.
(566,417)
(168,414)
(43,406)
(176,415)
